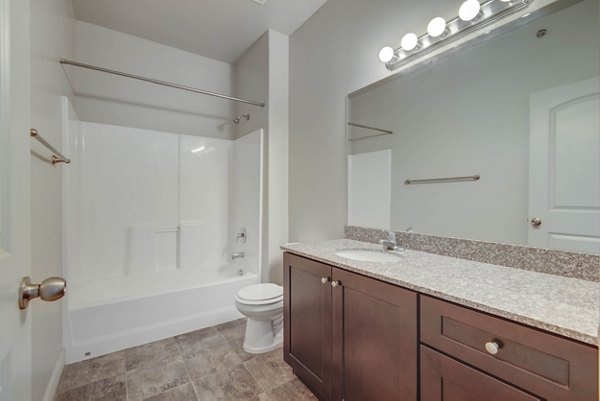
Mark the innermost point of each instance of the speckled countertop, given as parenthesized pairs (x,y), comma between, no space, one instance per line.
(561,305)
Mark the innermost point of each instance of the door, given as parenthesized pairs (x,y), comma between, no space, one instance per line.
(307,322)
(444,379)
(564,170)
(15,325)
(374,355)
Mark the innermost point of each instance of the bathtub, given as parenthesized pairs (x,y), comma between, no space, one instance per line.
(113,314)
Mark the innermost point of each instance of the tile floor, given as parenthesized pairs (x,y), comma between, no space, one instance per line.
(203,365)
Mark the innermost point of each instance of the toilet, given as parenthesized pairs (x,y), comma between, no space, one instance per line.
(262,304)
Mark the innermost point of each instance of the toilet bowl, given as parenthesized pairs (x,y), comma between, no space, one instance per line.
(262,304)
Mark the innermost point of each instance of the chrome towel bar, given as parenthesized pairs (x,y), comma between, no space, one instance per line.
(448,179)
(57,157)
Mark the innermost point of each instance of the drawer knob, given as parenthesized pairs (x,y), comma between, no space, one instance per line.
(324,279)
(492,347)
(335,283)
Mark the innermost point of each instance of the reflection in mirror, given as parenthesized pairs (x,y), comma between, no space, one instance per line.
(520,110)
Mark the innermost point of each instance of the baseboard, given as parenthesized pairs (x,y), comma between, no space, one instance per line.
(55,377)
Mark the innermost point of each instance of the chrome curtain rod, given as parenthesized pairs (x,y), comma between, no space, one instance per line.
(449,179)
(159,82)
(57,157)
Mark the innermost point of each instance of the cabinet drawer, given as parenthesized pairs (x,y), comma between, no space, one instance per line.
(444,379)
(550,366)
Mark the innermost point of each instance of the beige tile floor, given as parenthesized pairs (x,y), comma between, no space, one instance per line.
(202,365)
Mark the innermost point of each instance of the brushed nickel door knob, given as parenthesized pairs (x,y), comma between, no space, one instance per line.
(536,222)
(335,284)
(324,280)
(51,289)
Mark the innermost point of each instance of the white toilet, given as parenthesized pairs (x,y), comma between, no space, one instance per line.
(262,304)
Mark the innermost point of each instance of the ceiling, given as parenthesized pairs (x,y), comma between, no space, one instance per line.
(219,29)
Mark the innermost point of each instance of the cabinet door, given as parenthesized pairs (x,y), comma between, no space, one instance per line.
(307,320)
(444,379)
(374,351)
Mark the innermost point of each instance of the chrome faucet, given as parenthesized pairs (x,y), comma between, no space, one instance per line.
(389,244)
(242,235)
(237,255)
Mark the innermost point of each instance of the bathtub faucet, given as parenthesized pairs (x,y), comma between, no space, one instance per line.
(237,255)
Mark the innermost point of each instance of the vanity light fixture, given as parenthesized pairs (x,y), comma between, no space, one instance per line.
(436,27)
(469,10)
(472,16)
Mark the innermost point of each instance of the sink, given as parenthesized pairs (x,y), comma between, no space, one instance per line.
(369,255)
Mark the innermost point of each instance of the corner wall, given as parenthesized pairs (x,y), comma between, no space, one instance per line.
(262,74)
(51,38)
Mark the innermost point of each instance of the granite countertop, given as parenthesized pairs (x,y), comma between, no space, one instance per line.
(561,305)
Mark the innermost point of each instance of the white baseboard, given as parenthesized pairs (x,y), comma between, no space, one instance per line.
(55,377)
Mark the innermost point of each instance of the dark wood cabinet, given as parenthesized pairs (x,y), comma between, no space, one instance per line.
(354,338)
(307,322)
(445,379)
(374,349)
(553,368)
(349,337)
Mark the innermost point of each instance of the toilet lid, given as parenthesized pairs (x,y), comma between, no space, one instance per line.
(260,292)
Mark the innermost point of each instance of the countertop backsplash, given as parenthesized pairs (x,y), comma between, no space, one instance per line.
(582,266)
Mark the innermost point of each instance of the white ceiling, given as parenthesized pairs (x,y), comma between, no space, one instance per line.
(219,29)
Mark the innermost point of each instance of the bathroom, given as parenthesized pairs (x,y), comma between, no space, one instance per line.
(279,200)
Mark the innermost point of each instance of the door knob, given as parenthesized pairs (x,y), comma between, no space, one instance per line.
(536,222)
(51,289)
(324,280)
(336,283)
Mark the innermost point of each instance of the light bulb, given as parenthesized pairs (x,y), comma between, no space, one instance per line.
(469,10)
(436,27)
(409,41)
(386,54)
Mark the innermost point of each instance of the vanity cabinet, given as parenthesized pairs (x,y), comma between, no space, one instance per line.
(349,337)
(353,338)
(546,366)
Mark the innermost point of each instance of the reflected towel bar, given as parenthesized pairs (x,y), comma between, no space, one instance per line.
(449,179)
(159,82)
(385,131)
(57,157)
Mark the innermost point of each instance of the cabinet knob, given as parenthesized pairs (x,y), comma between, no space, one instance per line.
(336,283)
(324,280)
(492,347)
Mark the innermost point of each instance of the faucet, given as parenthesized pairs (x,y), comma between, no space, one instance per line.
(242,235)
(237,255)
(389,244)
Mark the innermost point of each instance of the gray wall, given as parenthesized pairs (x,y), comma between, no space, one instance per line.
(262,74)
(332,54)
(51,38)
(121,101)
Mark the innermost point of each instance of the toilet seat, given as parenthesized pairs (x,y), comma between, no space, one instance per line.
(260,294)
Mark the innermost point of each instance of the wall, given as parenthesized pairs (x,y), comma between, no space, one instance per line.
(262,73)
(332,54)
(125,102)
(51,38)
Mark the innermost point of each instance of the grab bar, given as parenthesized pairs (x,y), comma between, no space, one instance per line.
(57,157)
(448,179)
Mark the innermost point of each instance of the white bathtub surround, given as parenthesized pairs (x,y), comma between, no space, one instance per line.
(151,220)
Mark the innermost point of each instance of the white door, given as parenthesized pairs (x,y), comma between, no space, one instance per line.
(564,169)
(15,325)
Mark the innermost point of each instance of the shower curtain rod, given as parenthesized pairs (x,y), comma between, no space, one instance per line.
(159,82)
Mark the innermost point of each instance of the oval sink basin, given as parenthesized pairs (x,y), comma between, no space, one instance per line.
(369,255)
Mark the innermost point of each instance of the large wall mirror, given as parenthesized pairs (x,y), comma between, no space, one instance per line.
(504,133)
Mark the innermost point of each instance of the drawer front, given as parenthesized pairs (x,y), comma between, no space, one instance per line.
(444,379)
(550,366)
